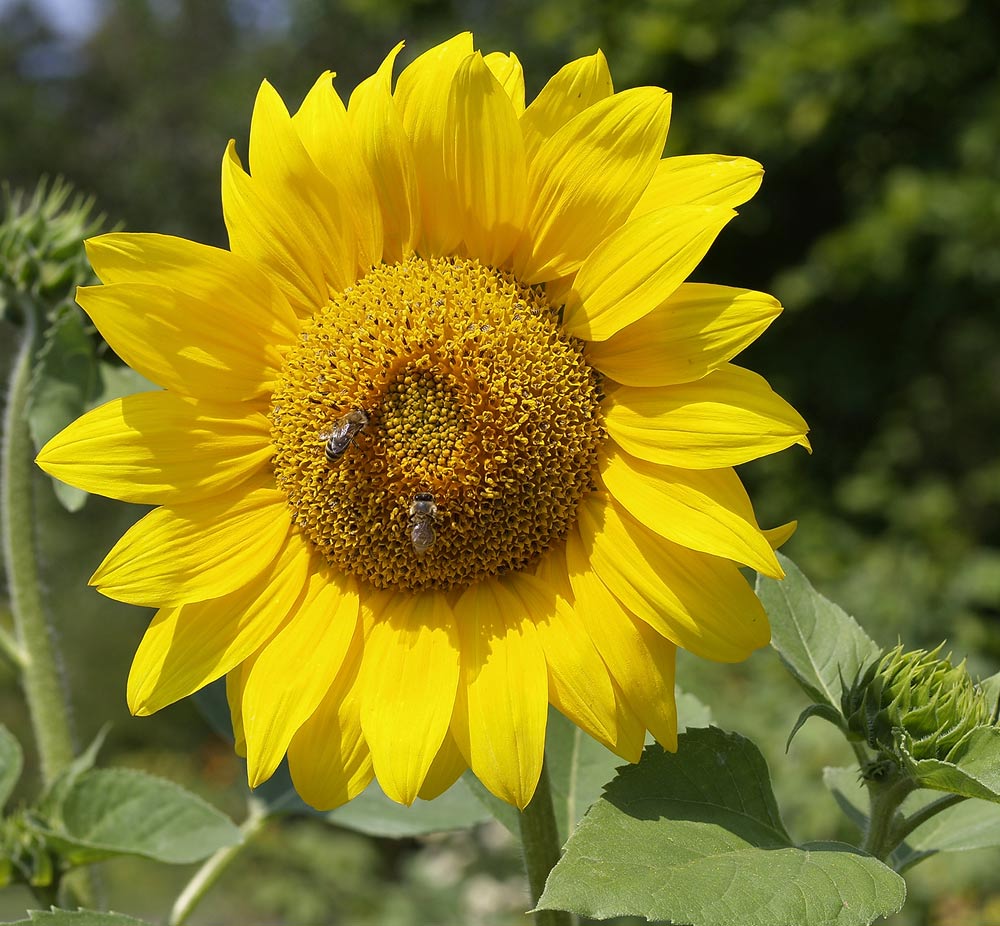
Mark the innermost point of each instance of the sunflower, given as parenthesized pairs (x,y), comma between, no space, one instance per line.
(444,437)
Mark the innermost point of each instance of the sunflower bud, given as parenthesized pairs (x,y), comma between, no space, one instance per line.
(913,705)
(41,238)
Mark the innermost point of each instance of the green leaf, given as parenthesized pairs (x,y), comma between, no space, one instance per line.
(66,378)
(961,828)
(816,710)
(691,712)
(56,917)
(849,792)
(695,837)
(50,805)
(377,815)
(818,642)
(11,763)
(972,769)
(125,812)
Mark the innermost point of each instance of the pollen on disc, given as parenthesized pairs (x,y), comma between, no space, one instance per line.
(469,393)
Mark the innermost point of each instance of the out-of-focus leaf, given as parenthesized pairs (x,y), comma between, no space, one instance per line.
(50,805)
(848,791)
(377,815)
(66,380)
(56,917)
(122,811)
(11,763)
(818,642)
(696,838)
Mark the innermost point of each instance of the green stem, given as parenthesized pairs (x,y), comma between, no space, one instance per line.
(40,674)
(540,844)
(206,876)
(885,797)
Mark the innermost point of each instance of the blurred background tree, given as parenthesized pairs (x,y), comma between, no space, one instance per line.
(878,226)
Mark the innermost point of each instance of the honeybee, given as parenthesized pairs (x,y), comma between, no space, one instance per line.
(422,512)
(342,434)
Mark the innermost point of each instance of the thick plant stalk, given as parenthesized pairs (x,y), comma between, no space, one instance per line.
(540,845)
(40,675)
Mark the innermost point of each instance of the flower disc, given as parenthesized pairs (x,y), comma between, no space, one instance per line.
(470,393)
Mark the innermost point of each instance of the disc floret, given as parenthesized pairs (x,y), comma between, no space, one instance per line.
(476,407)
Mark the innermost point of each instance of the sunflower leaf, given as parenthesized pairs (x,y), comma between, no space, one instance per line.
(56,917)
(972,769)
(111,812)
(11,763)
(65,381)
(818,642)
(695,837)
(377,815)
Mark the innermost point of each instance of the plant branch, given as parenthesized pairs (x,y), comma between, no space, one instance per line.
(206,876)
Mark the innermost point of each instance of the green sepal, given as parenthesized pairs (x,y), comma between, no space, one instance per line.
(817,710)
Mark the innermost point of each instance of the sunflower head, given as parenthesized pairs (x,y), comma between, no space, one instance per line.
(445,436)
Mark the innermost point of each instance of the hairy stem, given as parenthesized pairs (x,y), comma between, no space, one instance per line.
(40,675)
(540,845)
(885,797)
(206,876)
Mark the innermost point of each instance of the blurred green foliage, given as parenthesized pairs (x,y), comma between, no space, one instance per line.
(878,227)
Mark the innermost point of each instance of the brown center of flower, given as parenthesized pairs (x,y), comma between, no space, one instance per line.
(434,426)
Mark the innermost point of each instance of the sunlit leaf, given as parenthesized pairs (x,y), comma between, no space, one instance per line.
(695,837)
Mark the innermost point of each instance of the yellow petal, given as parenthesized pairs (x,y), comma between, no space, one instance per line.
(697,329)
(409,675)
(422,95)
(639,266)
(264,231)
(579,685)
(700,180)
(585,179)
(198,550)
(508,71)
(157,447)
(779,536)
(500,712)
(224,281)
(323,213)
(485,162)
(296,669)
(448,766)
(236,680)
(641,662)
(185,648)
(326,132)
(328,757)
(723,419)
(571,90)
(189,346)
(378,126)
(697,601)
(706,510)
